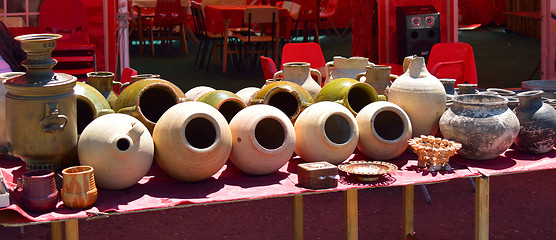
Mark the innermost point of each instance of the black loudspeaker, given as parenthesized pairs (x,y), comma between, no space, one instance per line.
(418,30)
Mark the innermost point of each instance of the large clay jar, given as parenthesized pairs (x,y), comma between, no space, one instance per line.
(39,193)
(343,67)
(379,77)
(104,83)
(384,129)
(193,141)
(354,95)
(247,93)
(326,131)
(420,95)
(90,105)
(120,149)
(196,92)
(289,97)
(148,99)
(537,122)
(3,131)
(300,74)
(227,103)
(78,188)
(263,139)
(483,124)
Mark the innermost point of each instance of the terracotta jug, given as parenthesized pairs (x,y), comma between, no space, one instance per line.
(38,190)
(263,139)
(148,99)
(104,83)
(326,131)
(226,102)
(196,92)
(483,124)
(537,122)
(78,188)
(90,105)
(384,129)
(354,95)
(119,148)
(193,141)
(420,95)
(343,67)
(379,77)
(289,97)
(300,74)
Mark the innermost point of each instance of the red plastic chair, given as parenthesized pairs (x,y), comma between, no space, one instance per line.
(327,14)
(309,15)
(453,60)
(167,15)
(126,77)
(310,52)
(269,67)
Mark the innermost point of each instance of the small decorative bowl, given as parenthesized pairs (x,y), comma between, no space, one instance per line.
(367,170)
(434,153)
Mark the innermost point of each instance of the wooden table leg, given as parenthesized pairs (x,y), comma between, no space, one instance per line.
(56,231)
(408,211)
(72,229)
(351,214)
(298,217)
(225,46)
(140,29)
(481,207)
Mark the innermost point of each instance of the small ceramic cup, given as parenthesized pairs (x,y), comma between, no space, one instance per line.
(39,193)
(78,188)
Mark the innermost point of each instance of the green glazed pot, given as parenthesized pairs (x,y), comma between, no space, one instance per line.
(287,96)
(354,95)
(90,105)
(148,99)
(227,103)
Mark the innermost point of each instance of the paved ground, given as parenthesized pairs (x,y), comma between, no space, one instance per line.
(522,206)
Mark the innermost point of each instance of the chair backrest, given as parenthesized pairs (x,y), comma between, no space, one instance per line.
(269,67)
(310,52)
(330,9)
(309,10)
(66,17)
(168,13)
(453,60)
(204,3)
(265,19)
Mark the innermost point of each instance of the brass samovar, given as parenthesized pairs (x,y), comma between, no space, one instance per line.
(41,112)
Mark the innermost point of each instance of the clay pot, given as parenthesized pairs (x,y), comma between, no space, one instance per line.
(420,95)
(384,129)
(148,99)
(483,124)
(354,95)
(448,84)
(90,105)
(136,78)
(502,92)
(247,93)
(300,74)
(78,188)
(343,67)
(193,141)
(104,83)
(537,121)
(39,193)
(379,77)
(227,103)
(41,107)
(196,92)
(263,139)
(289,97)
(326,131)
(467,88)
(120,149)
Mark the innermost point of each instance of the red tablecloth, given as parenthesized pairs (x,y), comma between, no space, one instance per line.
(158,190)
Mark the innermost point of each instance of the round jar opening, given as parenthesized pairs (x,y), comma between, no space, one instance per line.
(337,129)
(155,101)
(270,134)
(388,125)
(358,98)
(286,102)
(200,133)
(230,108)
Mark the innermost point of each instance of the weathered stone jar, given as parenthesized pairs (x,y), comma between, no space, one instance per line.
(343,67)
(41,107)
(300,74)
(483,124)
(421,95)
(537,122)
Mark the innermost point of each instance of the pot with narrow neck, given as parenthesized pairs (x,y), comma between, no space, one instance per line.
(300,74)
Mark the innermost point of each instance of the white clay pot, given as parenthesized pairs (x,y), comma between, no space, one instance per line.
(384,129)
(247,93)
(300,74)
(263,139)
(343,67)
(326,131)
(120,149)
(196,92)
(193,141)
